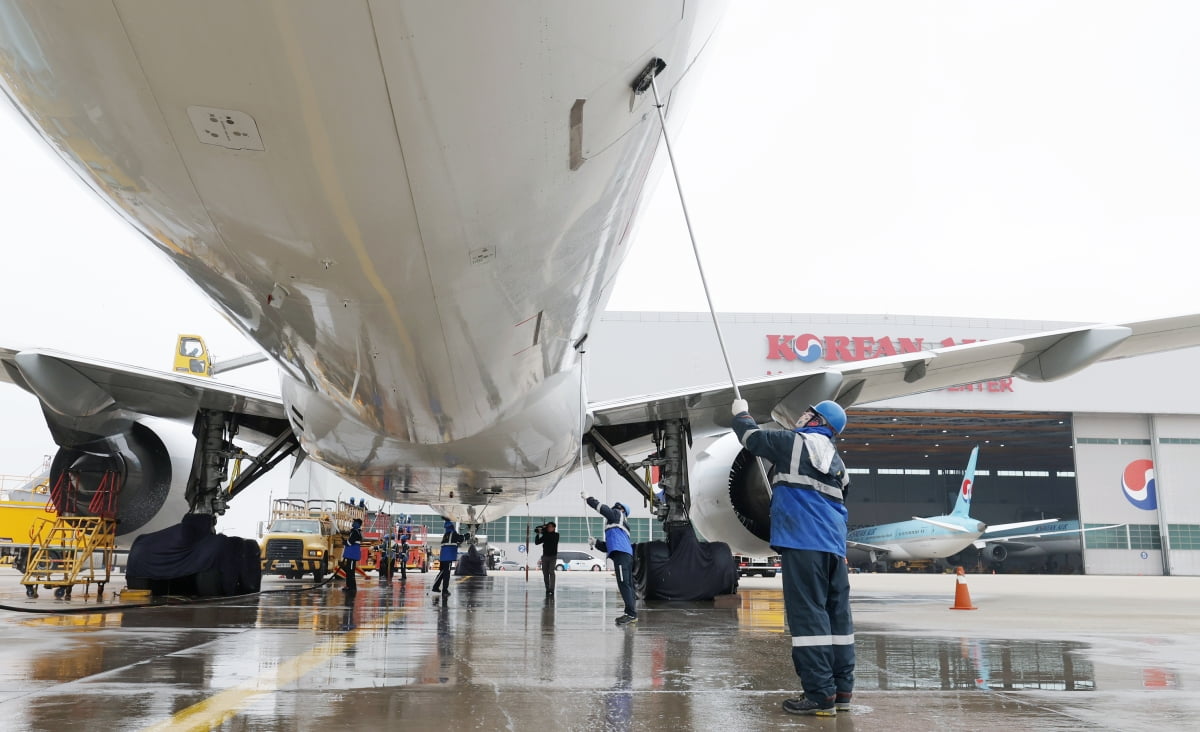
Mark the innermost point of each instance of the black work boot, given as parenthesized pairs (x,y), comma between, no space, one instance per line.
(804,705)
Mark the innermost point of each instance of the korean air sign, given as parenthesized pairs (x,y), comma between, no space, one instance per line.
(808,347)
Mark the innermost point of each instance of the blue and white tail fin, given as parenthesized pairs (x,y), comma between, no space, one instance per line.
(962,507)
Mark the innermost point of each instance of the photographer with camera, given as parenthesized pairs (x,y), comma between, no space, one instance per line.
(547,536)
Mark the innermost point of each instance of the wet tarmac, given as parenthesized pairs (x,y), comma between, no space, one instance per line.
(1041,653)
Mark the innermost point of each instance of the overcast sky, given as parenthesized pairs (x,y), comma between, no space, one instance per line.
(1018,160)
(1005,159)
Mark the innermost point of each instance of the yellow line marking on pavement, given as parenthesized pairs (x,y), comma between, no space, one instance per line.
(217,710)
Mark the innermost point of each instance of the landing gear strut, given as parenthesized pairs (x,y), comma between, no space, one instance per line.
(682,567)
(191,558)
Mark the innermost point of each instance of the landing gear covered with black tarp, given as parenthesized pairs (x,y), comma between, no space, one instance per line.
(470,564)
(683,567)
(189,558)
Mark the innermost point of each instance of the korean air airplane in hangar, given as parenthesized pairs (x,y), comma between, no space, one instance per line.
(416,210)
(922,538)
(929,537)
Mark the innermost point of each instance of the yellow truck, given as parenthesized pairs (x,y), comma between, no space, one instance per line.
(306,537)
(24,508)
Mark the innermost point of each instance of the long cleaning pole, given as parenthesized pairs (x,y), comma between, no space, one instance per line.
(662,120)
(652,71)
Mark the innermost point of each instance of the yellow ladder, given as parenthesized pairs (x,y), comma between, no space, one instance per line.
(75,550)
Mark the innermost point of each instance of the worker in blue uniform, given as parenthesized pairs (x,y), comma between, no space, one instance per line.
(447,556)
(808,530)
(620,551)
(351,553)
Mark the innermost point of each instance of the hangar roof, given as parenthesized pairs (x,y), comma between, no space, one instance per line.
(935,439)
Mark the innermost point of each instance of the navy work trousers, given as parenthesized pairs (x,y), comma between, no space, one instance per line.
(816,598)
(442,582)
(623,564)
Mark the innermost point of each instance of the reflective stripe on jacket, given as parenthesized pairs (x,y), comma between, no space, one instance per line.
(807,500)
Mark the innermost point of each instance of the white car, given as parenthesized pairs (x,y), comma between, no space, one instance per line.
(579,560)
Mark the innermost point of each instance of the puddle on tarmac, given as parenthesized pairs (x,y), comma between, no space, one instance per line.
(891,662)
(898,661)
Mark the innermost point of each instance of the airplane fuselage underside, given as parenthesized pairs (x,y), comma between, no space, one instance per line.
(415,209)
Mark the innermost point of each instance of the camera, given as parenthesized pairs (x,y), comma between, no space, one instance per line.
(539,528)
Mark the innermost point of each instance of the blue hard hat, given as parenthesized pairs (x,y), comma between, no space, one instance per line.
(621,506)
(833,413)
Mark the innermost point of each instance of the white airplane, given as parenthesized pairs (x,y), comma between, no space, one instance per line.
(933,537)
(416,210)
(1001,543)
(930,537)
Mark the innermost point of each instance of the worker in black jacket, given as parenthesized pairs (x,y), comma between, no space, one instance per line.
(351,553)
(547,535)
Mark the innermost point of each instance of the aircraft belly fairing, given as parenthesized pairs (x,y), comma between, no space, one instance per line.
(516,460)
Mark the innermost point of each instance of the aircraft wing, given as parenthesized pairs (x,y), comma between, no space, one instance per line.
(93,396)
(944,525)
(1013,546)
(868,547)
(985,539)
(1038,357)
(1018,525)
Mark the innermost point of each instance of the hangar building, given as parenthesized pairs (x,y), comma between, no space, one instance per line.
(1116,444)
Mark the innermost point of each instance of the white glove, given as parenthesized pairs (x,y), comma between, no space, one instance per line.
(583,495)
(739,406)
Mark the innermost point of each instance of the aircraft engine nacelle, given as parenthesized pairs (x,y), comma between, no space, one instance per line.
(151,461)
(730,500)
(997,552)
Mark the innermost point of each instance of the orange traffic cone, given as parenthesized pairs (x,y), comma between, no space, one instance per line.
(962,596)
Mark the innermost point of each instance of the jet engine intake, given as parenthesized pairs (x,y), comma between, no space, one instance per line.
(730,501)
(150,462)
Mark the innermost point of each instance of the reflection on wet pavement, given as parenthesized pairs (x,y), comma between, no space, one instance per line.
(497,654)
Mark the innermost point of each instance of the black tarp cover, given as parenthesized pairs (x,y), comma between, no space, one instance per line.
(684,568)
(470,564)
(190,548)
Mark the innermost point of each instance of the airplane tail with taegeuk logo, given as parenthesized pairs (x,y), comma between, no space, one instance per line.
(962,507)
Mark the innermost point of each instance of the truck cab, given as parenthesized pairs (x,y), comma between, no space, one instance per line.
(306,537)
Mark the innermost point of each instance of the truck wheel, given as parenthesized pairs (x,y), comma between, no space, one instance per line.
(769,574)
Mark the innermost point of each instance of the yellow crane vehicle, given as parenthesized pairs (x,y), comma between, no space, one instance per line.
(192,357)
(306,537)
